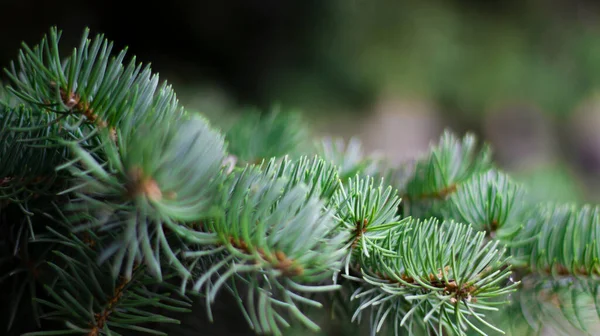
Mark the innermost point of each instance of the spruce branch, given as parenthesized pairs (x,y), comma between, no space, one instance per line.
(160,177)
(22,175)
(560,240)
(446,271)
(440,172)
(89,300)
(492,202)
(275,237)
(318,175)
(125,194)
(22,268)
(369,213)
(89,86)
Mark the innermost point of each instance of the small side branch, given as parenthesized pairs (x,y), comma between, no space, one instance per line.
(102,317)
(279,260)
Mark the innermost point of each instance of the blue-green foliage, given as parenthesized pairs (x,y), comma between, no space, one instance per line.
(125,189)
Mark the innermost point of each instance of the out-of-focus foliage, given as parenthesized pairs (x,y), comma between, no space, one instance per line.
(551,183)
(467,56)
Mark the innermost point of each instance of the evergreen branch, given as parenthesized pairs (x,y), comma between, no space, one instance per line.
(86,297)
(139,193)
(439,174)
(159,178)
(492,202)
(320,177)
(560,240)
(278,239)
(22,175)
(22,268)
(368,212)
(89,85)
(446,270)
(395,314)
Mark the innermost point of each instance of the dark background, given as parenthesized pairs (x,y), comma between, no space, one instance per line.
(235,43)
(244,45)
(523,75)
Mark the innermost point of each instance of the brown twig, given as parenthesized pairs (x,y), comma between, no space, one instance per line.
(361,228)
(100,318)
(74,102)
(436,195)
(465,291)
(278,259)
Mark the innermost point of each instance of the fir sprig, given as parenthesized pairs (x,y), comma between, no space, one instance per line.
(439,172)
(23,175)
(560,240)
(368,211)
(90,301)
(318,175)
(90,85)
(266,226)
(22,267)
(445,270)
(139,193)
(492,202)
(158,177)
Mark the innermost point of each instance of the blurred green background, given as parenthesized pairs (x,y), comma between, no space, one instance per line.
(523,75)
